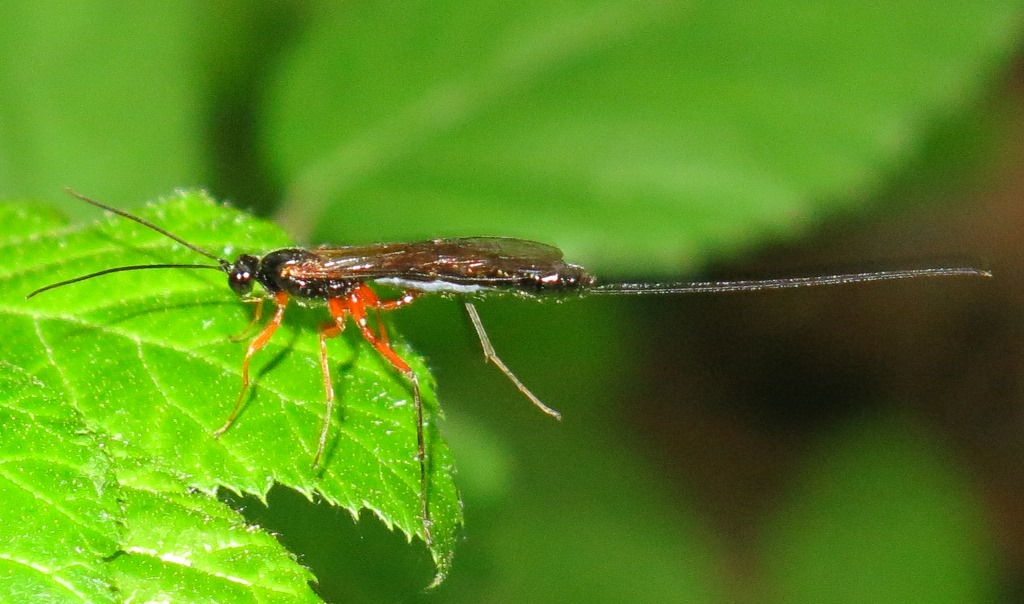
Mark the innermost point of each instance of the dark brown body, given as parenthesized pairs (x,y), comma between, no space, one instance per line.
(457,266)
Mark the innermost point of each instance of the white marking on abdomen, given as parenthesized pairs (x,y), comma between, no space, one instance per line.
(433,286)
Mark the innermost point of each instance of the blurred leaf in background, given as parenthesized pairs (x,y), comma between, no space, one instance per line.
(638,135)
(104,97)
(902,526)
(645,138)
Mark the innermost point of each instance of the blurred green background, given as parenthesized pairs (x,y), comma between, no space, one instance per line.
(857,444)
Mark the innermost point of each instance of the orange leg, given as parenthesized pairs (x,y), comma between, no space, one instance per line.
(357,303)
(385,305)
(281,300)
(257,314)
(370,300)
(407,298)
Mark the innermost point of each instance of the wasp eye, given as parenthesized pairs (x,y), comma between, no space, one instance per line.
(242,273)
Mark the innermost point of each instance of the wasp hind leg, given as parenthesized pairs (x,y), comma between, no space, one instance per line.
(490,355)
(357,303)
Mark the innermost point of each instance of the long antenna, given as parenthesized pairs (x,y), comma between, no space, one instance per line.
(134,267)
(223,263)
(702,287)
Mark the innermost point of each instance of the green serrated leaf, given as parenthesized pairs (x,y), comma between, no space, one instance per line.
(182,546)
(636,135)
(59,518)
(147,358)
